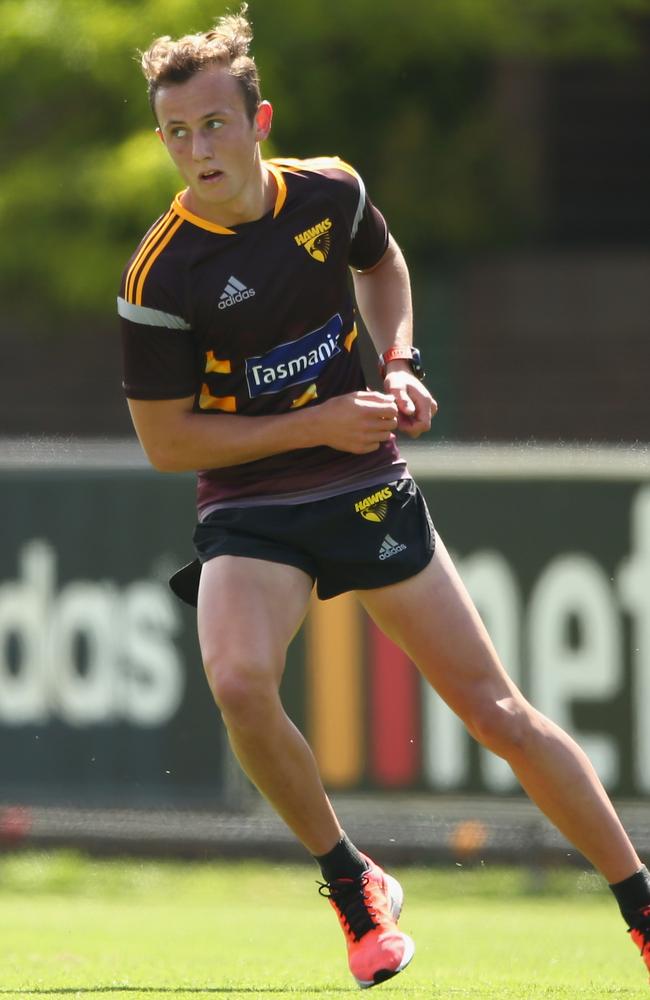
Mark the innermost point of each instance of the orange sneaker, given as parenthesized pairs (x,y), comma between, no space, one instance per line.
(368,908)
(641,938)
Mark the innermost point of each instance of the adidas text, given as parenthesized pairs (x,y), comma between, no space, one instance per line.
(389,547)
(232,300)
(234,292)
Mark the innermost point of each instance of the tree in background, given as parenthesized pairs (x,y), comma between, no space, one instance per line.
(405,93)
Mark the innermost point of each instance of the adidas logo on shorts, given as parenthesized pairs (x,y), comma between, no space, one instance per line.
(234,292)
(389,547)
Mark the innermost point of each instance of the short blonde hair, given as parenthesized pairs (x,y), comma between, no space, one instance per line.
(169,60)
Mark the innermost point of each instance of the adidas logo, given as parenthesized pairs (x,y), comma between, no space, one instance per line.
(389,547)
(234,292)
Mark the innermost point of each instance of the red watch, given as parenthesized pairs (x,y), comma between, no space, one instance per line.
(410,354)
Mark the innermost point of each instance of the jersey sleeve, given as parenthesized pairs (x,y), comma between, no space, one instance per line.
(369,237)
(368,228)
(158,346)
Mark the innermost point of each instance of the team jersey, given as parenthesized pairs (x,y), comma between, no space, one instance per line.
(258,319)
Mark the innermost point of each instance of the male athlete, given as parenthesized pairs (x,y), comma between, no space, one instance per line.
(241,362)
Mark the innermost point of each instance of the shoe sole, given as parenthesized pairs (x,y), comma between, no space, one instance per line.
(396,902)
(382,975)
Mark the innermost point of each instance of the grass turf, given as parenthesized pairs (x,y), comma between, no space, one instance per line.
(76,927)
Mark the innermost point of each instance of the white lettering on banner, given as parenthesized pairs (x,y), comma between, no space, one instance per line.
(23,692)
(573,638)
(633,584)
(82,630)
(91,653)
(495,592)
(153,680)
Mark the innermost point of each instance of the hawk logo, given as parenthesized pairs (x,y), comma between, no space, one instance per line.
(375,506)
(317,240)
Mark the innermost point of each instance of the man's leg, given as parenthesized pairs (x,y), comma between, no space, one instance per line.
(248,612)
(433,619)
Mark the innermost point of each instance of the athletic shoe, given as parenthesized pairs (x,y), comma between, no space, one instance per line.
(641,937)
(368,908)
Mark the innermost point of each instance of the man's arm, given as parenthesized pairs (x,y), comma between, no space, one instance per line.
(175,439)
(383,296)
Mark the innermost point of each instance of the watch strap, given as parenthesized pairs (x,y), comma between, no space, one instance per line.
(396,354)
(410,354)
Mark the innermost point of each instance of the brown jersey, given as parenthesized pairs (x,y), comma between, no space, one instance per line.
(258,319)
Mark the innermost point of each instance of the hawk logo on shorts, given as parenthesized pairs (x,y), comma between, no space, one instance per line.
(375,506)
(317,240)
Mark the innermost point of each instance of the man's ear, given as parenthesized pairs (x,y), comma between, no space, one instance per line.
(160,135)
(263,119)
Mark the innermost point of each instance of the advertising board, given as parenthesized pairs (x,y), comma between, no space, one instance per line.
(102,696)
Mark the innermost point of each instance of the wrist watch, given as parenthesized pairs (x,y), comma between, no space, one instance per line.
(410,354)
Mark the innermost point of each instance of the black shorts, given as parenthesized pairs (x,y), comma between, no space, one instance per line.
(355,541)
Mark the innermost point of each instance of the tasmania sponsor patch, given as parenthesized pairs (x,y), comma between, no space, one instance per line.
(296,362)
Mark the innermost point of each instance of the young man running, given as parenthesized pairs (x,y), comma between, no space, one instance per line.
(241,362)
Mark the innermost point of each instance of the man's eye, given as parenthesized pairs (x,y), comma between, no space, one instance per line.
(214,123)
(179,133)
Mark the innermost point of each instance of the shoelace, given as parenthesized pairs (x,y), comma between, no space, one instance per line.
(348,895)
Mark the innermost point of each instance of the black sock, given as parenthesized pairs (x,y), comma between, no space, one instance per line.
(633,896)
(343,861)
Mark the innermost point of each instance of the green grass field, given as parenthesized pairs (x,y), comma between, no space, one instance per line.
(76,927)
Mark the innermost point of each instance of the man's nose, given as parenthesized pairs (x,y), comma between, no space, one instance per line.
(200,146)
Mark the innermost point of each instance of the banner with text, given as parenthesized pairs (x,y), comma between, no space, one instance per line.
(103,699)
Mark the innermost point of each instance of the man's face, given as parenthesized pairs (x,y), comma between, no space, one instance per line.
(209,136)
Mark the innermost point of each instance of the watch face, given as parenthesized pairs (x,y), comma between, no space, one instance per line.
(416,363)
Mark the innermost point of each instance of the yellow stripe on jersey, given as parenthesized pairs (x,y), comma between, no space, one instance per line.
(350,339)
(147,245)
(209,402)
(281,196)
(306,397)
(212,364)
(315,163)
(196,220)
(152,257)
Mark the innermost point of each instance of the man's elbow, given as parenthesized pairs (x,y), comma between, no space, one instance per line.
(165,463)
(161,457)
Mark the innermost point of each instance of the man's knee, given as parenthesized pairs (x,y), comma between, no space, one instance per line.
(243,689)
(506,726)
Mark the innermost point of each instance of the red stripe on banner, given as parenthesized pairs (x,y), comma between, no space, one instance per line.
(394,712)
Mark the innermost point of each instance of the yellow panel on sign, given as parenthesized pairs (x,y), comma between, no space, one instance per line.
(335,715)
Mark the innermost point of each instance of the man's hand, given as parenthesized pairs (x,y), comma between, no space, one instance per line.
(416,406)
(357,422)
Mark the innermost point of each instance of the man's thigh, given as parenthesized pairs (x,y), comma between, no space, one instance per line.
(432,617)
(249,610)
